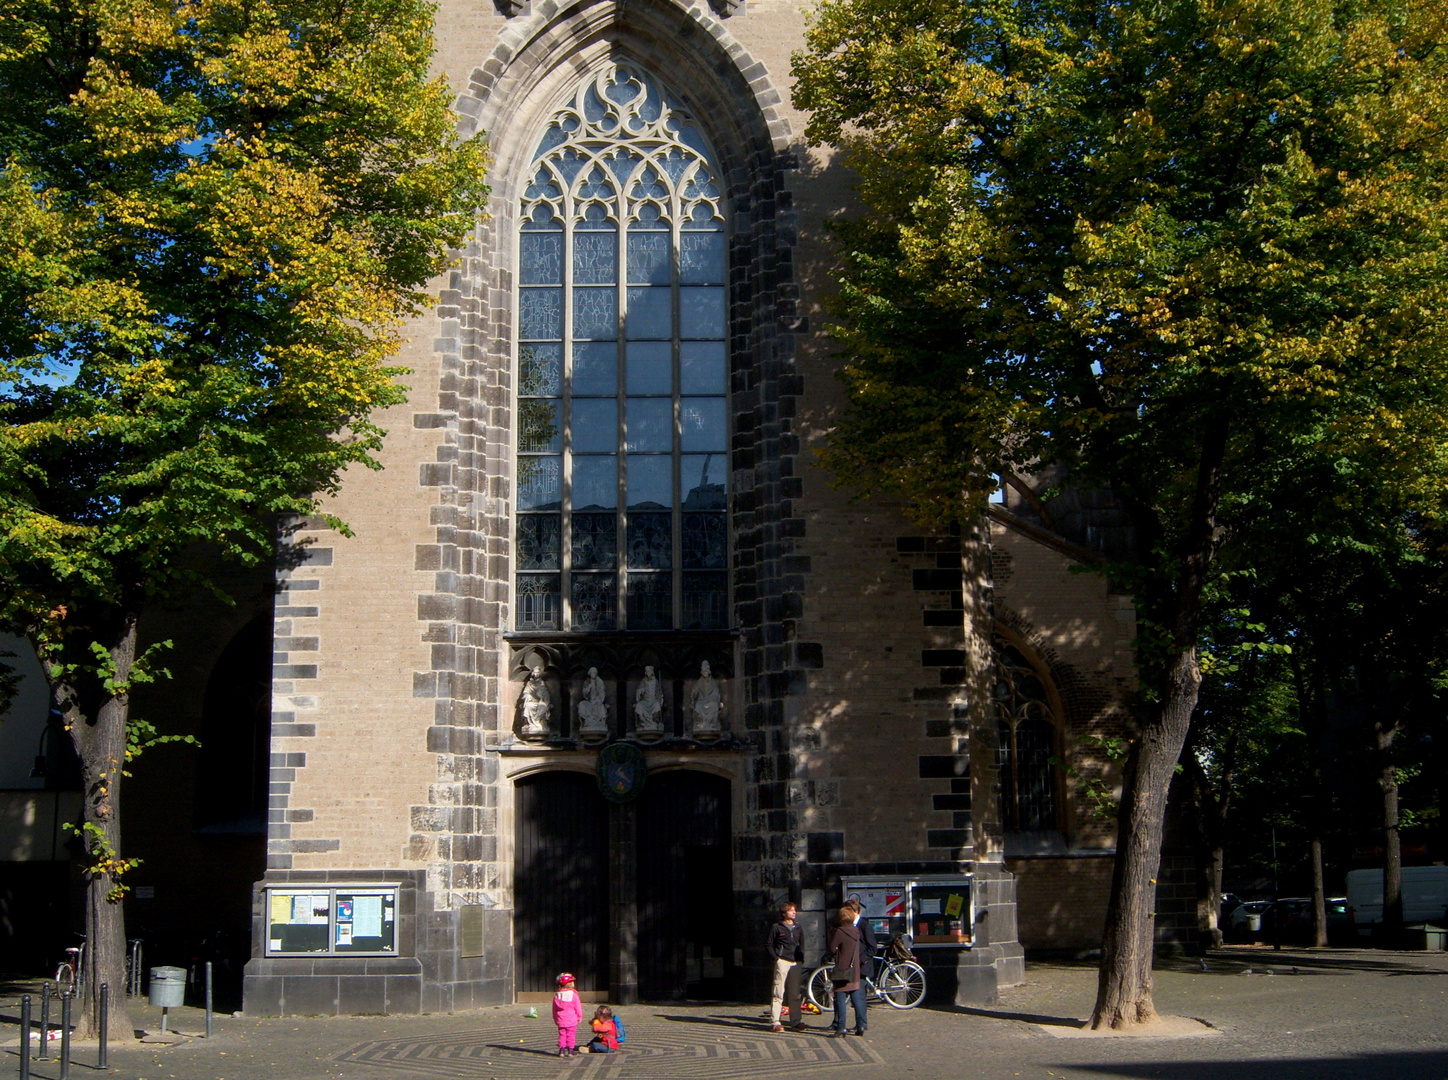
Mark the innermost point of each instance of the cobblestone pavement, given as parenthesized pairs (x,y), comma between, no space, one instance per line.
(1298,1015)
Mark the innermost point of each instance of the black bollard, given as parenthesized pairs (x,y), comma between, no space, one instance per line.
(44,1053)
(105,1024)
(208,999)
(25,1037)
(65,1035)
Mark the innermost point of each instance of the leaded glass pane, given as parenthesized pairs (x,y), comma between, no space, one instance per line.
(650,601)
(540,483)
(540,370)
(539,541)
(595,313)
(706,601)
(540,258)
(648,257)
(595,541)
(595,258)
(648,314)
(701,312)
(705,479)
(595,369)
(650,482)
(540,314)
(650,541)
(650,424)
(705,546)
(701,258)
(595,482)
(595,424)
(538,606)
(703,425)
(594,598)
(702,368)
(538,427)
(650,367)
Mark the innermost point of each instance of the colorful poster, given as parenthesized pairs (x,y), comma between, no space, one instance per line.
(953,904)
(344,911)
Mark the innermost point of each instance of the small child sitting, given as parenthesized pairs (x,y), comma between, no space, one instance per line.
(605,1032)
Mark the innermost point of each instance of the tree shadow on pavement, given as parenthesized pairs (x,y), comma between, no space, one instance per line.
(1026,1018)
(751,1023)
(1233,961)
(1405,1064)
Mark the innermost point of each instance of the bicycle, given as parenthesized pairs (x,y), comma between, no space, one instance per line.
(900,983)
(71,970)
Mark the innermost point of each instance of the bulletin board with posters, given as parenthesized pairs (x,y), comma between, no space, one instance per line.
(349,921)
(882,902)
(937,911)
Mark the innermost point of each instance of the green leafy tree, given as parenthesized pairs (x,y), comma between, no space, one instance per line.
(1167,245)
(215,217)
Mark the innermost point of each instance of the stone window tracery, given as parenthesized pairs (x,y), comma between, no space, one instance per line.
(1027,743)
(622,442)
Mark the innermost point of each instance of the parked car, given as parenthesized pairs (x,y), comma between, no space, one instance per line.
(1245,923)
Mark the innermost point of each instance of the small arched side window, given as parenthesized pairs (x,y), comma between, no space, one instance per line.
(622,443)
(1027,730)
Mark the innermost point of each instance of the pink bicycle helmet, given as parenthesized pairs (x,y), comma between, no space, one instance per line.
(565,978)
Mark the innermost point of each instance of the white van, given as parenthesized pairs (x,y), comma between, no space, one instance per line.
(1425,896)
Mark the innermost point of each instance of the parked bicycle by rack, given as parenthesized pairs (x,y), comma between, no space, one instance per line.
(71,970)
(899,980)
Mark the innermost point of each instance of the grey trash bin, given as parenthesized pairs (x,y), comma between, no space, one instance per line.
(168,987)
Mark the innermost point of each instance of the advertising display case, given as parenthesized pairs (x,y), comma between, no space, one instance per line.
(937,910)
(348,920)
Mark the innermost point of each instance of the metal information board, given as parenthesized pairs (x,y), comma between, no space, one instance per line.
(351,920)
(937,910)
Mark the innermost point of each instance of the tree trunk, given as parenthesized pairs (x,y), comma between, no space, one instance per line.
(100,741)
(1392,848)
(1123,996)
(1319,893)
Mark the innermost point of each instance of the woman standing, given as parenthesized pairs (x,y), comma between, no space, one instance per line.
(845,944)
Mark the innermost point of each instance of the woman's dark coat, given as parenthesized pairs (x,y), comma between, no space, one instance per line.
(845,944)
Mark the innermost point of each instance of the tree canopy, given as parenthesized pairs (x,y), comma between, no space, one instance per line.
(1193,250)
(215,217)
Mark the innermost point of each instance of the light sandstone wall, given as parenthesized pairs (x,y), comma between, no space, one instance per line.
(350,736)
(1081,633)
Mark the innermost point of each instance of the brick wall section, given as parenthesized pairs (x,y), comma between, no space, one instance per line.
(1062,902)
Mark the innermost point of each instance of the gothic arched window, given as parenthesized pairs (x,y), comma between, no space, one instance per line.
(622,443)
(1027,743)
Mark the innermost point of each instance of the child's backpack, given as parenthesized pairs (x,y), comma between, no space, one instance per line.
(618,1027)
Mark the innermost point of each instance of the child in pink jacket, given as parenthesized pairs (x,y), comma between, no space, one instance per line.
(567,1014)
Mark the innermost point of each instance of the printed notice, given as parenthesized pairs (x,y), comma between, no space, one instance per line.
(301,911)
(930,907)
(954,903)
(367,916)
(281,909)
(344,934)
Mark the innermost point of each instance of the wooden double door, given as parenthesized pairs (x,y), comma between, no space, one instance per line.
(605,890)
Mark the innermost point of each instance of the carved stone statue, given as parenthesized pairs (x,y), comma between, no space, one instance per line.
(649,708)
(537,706)
(593,709)
(706,705)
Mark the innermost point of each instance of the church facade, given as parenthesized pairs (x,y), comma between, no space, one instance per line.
(610,666)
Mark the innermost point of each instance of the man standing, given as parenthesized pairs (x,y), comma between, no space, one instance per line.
(786,945)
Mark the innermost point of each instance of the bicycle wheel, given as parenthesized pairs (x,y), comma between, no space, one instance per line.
(820,990)
(64,979)
(903,985)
